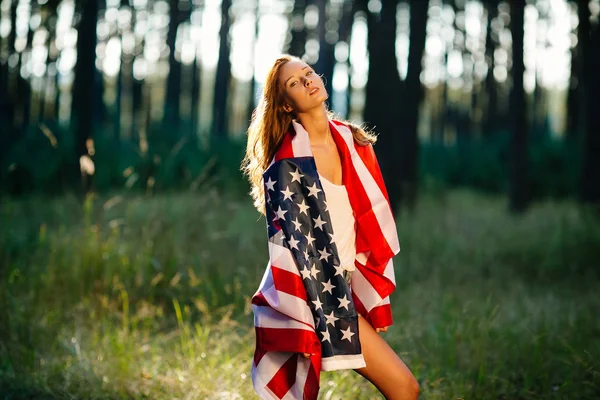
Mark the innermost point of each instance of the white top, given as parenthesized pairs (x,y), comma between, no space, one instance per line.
(342,219)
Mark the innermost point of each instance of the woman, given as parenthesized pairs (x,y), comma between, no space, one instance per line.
(318,183)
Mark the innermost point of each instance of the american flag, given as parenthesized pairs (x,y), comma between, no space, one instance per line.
(303,303)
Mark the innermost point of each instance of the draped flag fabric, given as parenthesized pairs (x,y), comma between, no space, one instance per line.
(303,303)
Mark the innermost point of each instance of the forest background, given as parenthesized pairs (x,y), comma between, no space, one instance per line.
(129,248)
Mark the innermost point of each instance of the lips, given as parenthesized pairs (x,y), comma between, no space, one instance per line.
(313,91)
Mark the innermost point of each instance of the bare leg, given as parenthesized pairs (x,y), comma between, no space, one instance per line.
(384,367)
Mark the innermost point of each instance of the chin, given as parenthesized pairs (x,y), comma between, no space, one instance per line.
(322,97)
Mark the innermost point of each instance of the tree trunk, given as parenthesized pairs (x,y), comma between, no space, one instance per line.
(518,196)
(490,82)
(8,87)
(173,95)
(82,110)
(252,83)
(195,96)
(326,60)
(576,103)
(298,42)
(382,103)
(409,146)
(347,20)
(219,126)
(590,179)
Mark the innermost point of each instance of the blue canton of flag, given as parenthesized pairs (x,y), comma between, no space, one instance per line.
(298,219)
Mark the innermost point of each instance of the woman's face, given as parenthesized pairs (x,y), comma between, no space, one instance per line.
(303,89)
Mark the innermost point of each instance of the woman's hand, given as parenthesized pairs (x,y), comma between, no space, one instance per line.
(307,355)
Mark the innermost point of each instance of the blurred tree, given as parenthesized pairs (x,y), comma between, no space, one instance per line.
(179,11)
(196,85)
(590,56)
(409,145)
(518,171)
(7,105)
(349,9)
(457,108)
(539,107)
(382,102)
(491,39)
(327,40)
(298,41)
(575,101)
(49,17)
(126,65)
(253,96)
(23,86)
(219,122)
(82,106)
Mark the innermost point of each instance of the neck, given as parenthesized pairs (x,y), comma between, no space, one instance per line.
(316,124)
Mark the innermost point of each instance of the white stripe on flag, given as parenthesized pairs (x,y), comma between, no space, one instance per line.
(287,304)
(389,272)
(282,258)
(301,142)
(266,317)
(297,391)
(364,291)
(266,369)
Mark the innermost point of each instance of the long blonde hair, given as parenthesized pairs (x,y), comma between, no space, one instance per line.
(269,124)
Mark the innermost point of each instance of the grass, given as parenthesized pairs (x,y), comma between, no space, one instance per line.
(127,297)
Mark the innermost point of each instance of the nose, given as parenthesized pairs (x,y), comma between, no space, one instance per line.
(306,81)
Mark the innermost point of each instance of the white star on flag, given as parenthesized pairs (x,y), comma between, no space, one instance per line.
(339,270)
(347,334)
(287,193)
(325,334)
(319,222)
(303,207)
(317,303)
(314,190)
(314,271)
(309,239)
(332,238)
(281,213)
(270,184)
(293,243)
(297,225)
(305,273)
(296,175)
(331,319)
(324,254)
(327,286)
(343,302)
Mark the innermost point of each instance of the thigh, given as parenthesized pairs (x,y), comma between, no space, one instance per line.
(384,367)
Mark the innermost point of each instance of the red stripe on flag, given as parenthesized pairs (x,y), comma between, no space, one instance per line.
(287,339)
(367,224)
(288,282)
(379,316)
(367,154)
(374,275)
(311,387)
(286,149)
(285,377)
